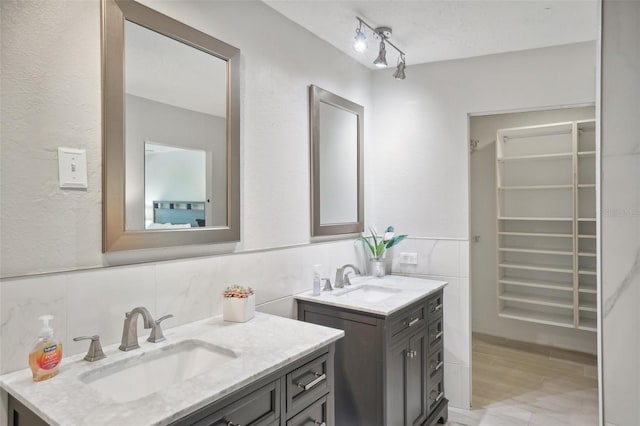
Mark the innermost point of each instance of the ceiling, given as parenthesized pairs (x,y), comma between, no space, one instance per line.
(429,31)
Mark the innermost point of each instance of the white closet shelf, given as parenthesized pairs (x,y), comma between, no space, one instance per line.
(587,271)
(588,306)
(537,267)
(586,153)
(529,187)
(536,251)
(559,302)
(533,219)
(587,288)
(558,156)
(587,253)
(536,283)
(535,234)
(588,324)
(539,317)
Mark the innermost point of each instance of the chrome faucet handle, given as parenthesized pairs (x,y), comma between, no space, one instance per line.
(156,331)
(95,352)
(327,284)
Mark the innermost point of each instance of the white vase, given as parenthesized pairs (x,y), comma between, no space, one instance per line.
(377,267)
(238,309)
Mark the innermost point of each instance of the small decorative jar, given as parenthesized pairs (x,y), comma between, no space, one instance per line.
(238,304)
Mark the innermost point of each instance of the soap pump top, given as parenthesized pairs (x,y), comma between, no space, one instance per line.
(46,332)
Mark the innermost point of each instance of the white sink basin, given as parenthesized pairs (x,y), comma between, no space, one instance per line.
(368,293)
(132,379)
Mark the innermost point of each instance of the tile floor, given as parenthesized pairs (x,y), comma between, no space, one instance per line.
(520,384)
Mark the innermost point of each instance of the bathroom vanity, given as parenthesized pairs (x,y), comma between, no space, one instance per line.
(265,372)
(389,365)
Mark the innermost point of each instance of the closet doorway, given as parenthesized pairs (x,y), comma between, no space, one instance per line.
(534,266)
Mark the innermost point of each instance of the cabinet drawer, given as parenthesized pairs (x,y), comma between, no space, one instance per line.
(436,333)
(307,383)
(412,319)
(259,408)
(315,415)
(434,307)
(435,393)
(435,365)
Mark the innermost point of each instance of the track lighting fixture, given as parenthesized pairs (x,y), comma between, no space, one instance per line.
(383,33)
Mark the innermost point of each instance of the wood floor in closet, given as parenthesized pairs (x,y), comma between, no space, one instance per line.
(520,384)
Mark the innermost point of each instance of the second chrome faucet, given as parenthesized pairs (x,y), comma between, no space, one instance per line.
(130,329)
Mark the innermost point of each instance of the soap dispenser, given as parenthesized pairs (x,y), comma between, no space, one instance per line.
(46,353)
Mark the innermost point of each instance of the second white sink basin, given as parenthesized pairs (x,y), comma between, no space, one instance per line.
(131,379)
(368,293)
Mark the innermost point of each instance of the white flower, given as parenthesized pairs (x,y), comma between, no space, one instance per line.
(388,236)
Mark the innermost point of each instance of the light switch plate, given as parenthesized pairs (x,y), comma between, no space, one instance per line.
(409,258)
(72,168)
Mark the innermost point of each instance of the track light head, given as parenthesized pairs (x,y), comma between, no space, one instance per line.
(360,41)
(381,60)
(399,74)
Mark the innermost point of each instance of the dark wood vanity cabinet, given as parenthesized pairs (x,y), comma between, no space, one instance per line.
(300,394)
(388,369)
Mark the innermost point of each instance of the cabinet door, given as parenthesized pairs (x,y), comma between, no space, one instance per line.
(416,380)
(396,384)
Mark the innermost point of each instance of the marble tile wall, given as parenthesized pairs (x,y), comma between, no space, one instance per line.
(448,260)
(620,215)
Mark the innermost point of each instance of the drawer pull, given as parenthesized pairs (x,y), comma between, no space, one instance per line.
(315,422)
(437,335)
(230,423)
(438,366)
(413,322)
(438,397)
(436,308)
(319,378)
(411,354)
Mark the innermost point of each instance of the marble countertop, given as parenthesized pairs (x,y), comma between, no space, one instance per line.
(396,292)
(264,344)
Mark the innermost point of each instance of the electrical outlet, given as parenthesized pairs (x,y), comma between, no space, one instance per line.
(409,258)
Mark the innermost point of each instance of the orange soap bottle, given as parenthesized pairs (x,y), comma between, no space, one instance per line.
(46,353)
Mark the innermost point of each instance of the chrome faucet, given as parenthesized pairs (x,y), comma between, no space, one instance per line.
(342,278)
(130,330)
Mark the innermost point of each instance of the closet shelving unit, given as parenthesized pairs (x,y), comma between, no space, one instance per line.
(546,209)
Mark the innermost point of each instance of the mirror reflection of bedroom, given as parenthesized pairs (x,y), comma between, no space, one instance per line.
(176,137)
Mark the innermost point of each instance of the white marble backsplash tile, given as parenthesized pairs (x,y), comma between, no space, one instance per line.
(23,301)
(95,301)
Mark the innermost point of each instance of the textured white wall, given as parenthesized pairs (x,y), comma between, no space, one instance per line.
(621,211)
(51,97)
(483,224)
(420,154)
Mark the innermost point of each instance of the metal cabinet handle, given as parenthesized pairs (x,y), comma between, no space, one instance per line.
(412,322)
(438,366)
(437,308)
(319,378)
(411,354)
(437,398)
(315,422)
(230,423)
(437,335)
